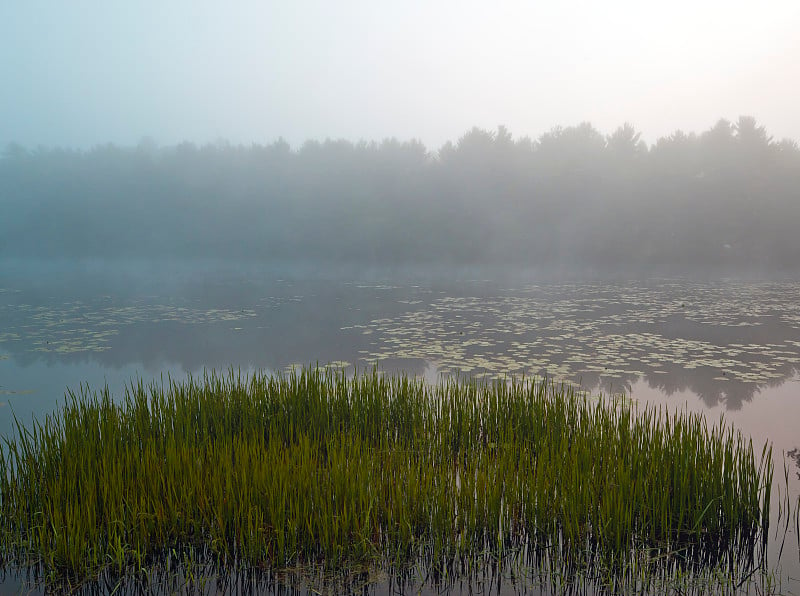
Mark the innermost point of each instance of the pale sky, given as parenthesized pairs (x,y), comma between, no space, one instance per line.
(81,73)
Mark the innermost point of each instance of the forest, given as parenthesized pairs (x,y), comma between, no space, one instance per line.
(726,200)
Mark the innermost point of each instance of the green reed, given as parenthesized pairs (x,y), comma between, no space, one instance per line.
(315,467)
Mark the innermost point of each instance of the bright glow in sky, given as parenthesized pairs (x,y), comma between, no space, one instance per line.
(81,73)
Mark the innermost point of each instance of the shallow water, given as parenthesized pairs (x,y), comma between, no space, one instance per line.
(723,347)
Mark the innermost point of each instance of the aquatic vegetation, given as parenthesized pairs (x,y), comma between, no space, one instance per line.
(77,326)
(616,332)
(317,468)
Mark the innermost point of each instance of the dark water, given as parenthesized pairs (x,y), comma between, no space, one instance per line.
(723,347)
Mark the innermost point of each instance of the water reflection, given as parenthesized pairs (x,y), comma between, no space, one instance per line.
(794,454)
(724,345)
(729,346)
(724,342)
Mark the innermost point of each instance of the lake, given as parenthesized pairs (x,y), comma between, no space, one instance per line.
(724,347)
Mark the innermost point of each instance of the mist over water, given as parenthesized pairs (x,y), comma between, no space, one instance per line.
(718,347)
(572,203)
(666,272)
(625,230)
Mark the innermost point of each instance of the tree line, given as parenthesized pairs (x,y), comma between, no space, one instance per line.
(726,200)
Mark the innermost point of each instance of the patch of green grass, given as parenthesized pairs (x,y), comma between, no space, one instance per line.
(315,468)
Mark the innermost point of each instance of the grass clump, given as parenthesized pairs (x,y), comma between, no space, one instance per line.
(316,468)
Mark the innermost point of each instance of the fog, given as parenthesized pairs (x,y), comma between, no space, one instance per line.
(86,73)
(352,134)
(602,194)
(576,201)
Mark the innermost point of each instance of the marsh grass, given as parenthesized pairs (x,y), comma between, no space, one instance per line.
(318,470)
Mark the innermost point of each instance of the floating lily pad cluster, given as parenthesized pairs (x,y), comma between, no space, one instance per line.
(568,331)
(721,333)
(80,326)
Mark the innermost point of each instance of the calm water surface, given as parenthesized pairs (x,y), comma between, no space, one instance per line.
(723,348)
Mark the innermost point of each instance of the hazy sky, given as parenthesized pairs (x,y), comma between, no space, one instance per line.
(79,73)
